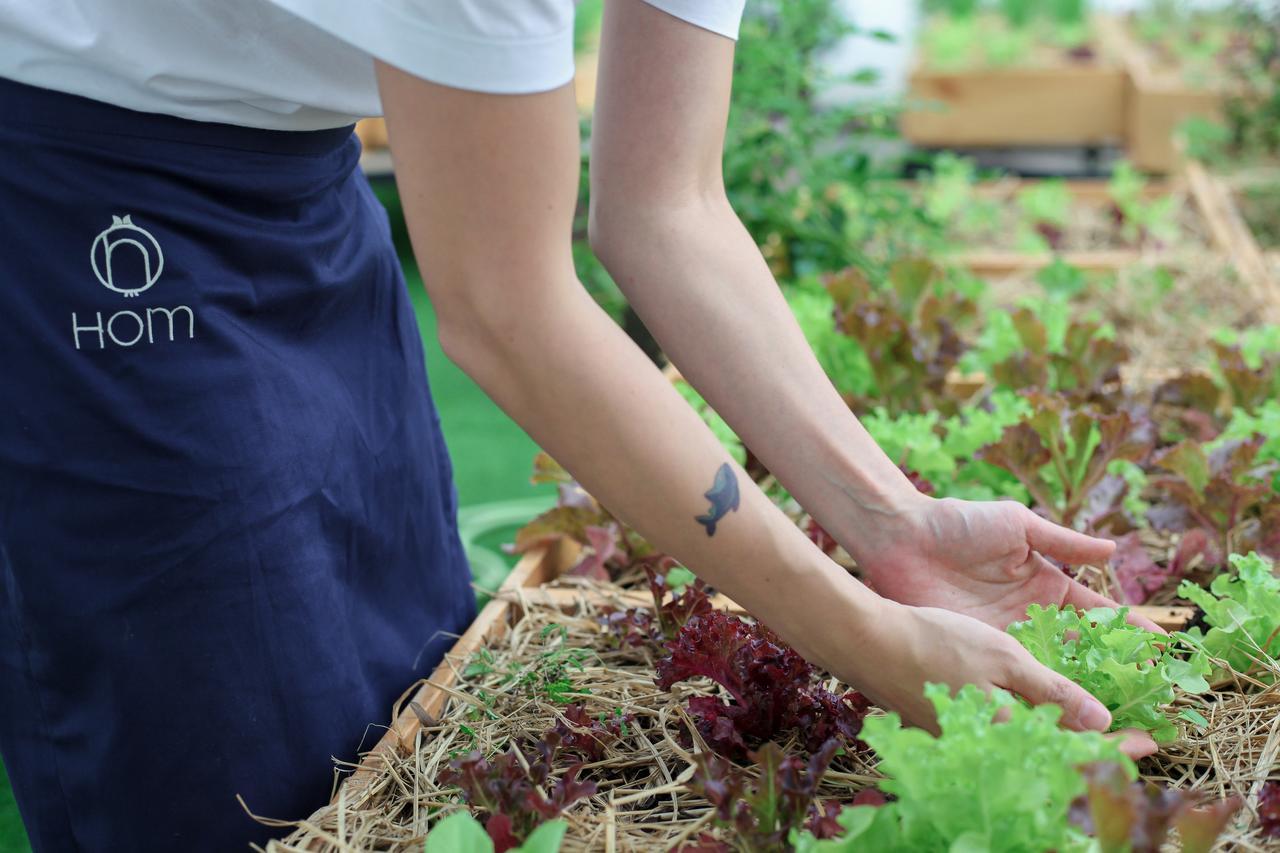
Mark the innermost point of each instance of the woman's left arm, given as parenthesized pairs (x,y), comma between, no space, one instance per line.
(663,227)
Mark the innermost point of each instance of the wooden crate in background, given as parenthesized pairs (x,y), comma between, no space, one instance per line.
(1157,100)
(1064,104)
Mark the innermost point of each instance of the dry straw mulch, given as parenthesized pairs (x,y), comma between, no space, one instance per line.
(642,801)
(1235,754)
(1140,299)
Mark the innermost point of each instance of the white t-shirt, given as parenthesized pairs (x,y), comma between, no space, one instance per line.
(295,64)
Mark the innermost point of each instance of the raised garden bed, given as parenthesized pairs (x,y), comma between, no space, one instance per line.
(1164,85)
(539,659)
(970,91)
(1129,228)
(579,658)
(1026,223)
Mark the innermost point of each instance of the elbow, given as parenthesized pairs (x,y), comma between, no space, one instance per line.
(475,329)
(623,229)
(491,323)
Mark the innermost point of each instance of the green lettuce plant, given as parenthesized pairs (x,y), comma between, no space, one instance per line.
(944,450)
(1128,669)
(1061,453)
(1141,219)
(1242,609)
(841,358)
(981,785)
(462,833)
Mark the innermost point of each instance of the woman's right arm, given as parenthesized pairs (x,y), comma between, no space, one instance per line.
(488,184)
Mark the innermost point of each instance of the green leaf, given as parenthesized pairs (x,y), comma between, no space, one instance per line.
(1061,279)
(1188,460)
(1191,715)
(1243,612)
(1127,668)
(458,833)
(1003,787)
(546,838)
(678,577)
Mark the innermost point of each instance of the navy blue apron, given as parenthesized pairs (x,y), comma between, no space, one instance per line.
(227,535)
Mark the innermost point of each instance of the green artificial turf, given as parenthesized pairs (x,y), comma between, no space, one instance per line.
(13,839)
(492,456)
(492,461)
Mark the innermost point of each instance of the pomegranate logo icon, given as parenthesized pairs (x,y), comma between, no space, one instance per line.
(125,237)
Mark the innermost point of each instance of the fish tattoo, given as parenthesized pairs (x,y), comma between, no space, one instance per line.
(723,496)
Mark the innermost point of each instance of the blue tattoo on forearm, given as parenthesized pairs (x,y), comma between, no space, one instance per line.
(723,496)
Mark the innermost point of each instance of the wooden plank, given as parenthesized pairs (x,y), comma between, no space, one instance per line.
(534,568)
(1231,234)
(1155,102)
(1007,262)
(1168,618)
(1086,190)
(1057,105)
(542,565)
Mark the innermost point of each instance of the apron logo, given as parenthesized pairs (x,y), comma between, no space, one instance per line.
(121,235)
(138,273)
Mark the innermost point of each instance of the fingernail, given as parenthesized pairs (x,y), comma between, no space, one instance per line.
(1095,716)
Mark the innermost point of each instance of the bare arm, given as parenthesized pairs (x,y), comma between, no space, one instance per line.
(662,225)
(488,185)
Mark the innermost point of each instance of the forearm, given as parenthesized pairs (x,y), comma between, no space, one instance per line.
(487,184)
(697,280)
(593,401)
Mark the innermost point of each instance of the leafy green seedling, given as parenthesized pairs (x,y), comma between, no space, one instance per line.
(462,833)
(1060,453)
(1242,610)
(981,785)
(1126,668)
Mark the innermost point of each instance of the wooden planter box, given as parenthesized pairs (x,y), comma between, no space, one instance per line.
(427,698)
(1057,105)
(1230,232)
(1240,181)
(1123,98)
(1156,100)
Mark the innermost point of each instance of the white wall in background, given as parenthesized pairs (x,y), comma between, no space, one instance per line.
(891,60)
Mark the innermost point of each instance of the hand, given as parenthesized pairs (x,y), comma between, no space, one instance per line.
(911,646)
(985,559)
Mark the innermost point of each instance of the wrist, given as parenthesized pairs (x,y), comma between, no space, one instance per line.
(824,613)
(872,643)
(875,526)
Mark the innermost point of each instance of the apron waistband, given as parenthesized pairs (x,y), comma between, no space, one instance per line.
(33,106)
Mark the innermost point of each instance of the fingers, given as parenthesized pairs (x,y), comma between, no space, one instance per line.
(1040,685)
(1135,743)
(1065,544)
(1083,598)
